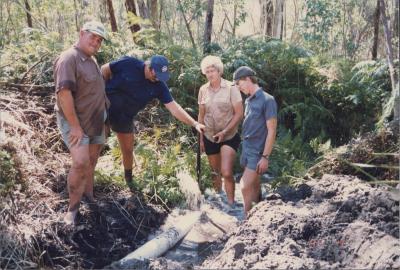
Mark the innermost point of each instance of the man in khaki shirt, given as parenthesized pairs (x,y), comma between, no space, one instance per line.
(81,106)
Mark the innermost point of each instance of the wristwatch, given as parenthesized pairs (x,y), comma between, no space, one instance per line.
(265,156)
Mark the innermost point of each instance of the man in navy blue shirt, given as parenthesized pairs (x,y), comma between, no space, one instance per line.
(130,85)
(258,133)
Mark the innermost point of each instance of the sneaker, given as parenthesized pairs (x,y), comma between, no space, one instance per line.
(228,208)
(69,218)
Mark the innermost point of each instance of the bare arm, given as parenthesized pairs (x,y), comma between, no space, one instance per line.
(179,113)
(237,117)
(67,105)
(262,165)
(106,71)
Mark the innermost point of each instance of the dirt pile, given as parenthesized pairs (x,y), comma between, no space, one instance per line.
(33,197)
(342,223)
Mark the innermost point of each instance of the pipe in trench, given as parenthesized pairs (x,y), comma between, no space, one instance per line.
(162,243)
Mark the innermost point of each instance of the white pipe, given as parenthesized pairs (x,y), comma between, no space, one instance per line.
(162,243)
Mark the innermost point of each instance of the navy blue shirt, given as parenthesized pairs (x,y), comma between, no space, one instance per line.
(258,109)
(129,91)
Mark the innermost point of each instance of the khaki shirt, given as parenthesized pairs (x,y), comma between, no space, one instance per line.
(219,108)
(79,73)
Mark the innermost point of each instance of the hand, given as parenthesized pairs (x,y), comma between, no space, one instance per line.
(75,136)
(262,166)
(219,137)
(199,127)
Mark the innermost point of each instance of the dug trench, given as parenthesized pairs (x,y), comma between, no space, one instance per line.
(328,222)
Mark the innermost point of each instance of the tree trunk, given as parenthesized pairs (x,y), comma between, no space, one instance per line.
(396,26)
(389,52)
(235,6)
(278,19)
(113,22)
(296,16)
(77,24)
(208,27)
(102,6)
(154,13)
(396,19)
(130,7)
(266,18)
(187,24)
(143,11)
(376,32)
(28,14)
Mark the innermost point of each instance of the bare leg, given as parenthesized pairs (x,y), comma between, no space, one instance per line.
(250,186)
(227,160)
(94,153)
(77,178)
(126,142)
(215,163)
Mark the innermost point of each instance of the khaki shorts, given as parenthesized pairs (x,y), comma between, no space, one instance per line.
(65,128)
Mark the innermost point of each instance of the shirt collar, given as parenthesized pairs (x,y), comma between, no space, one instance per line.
(224,84)
(81,54)
(257,93)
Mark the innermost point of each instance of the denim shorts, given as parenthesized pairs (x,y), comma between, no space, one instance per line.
(65,128)
(249,158)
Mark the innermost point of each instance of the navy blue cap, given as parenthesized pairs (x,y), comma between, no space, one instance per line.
(160,64)
(243,71)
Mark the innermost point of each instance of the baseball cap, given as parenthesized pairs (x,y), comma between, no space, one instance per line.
(160,64)
(95,28)
(243,72)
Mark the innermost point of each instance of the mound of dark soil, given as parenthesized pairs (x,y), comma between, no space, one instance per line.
(344,223)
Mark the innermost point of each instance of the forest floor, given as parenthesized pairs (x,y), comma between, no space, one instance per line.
(334,219)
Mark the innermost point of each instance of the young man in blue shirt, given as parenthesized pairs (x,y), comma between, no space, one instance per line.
(258,134)
(130,85)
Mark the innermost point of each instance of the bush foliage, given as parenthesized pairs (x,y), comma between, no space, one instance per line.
(320,100)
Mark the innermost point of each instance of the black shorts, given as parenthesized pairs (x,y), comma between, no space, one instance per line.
(213,148)
(123,127)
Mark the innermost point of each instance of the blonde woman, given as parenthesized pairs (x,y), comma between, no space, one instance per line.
(220,110)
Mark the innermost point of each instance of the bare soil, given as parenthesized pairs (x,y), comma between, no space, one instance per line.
(335,222)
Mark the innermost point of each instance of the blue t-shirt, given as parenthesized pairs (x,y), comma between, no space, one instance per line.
(258,109)
(129,91)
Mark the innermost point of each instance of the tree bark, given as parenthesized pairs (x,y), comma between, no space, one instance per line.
(28,14)
(102,6)
(111,13)
(267,16)
(143,11)
(235,6)
(154,14)
(77,24)
(278,19)
(389,52)
(130,7)
(208,27)
(377,14)
(396,19)
(396,26)
(187,24)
